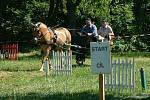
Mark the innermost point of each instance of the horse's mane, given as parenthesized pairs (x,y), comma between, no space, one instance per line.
(38,24)
(59,28)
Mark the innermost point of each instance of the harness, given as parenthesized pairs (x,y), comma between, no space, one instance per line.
(55,35)
(42,35)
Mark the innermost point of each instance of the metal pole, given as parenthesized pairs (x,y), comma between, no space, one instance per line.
(143,80)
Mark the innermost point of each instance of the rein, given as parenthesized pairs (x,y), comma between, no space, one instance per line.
(42,36)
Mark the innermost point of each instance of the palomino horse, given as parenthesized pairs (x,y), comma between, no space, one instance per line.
(50,39)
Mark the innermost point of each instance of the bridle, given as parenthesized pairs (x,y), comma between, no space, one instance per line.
(38,38)
(42,36)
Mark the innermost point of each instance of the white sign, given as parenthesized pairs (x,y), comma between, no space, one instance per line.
(100,57)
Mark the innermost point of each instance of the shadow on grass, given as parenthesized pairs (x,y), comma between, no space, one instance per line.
(84,65)
(67,96)
(35,56)
(58,96)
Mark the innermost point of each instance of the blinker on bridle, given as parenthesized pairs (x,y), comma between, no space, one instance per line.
(37,29)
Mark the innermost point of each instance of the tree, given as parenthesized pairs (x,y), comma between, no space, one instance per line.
(96,9)
(122,17)
(55,13)
(141,10)
(16,17)
(71,6)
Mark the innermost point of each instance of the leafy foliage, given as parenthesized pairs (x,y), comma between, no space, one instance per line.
(96,10)
(122,17)
(133,43)
(127,17)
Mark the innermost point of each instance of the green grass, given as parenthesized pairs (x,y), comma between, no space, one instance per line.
(22,80)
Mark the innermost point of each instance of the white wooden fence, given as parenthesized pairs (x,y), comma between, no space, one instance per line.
(62,63)
(122,76)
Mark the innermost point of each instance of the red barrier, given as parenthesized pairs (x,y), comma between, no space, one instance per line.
(9,51)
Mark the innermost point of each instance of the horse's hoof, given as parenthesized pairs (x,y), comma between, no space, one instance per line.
(41,70)
(51,67)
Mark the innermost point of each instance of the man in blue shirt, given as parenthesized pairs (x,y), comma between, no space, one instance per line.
(88,34)
(89,29)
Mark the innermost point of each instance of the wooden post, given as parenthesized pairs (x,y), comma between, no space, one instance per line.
(101,87)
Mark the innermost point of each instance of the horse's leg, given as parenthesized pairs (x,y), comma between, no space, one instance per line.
(69,48)
(42,66)
(45,56)
(43,61)
(50,64)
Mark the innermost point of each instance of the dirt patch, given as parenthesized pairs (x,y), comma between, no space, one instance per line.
(5,74)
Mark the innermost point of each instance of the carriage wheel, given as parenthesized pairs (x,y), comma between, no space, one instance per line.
(80,63)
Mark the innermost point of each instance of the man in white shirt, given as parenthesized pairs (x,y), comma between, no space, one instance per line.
(105,32)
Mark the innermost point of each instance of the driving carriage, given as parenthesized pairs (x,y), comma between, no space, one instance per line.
(83,40)
(83,50)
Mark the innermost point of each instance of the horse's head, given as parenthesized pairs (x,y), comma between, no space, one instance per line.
(40,30)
